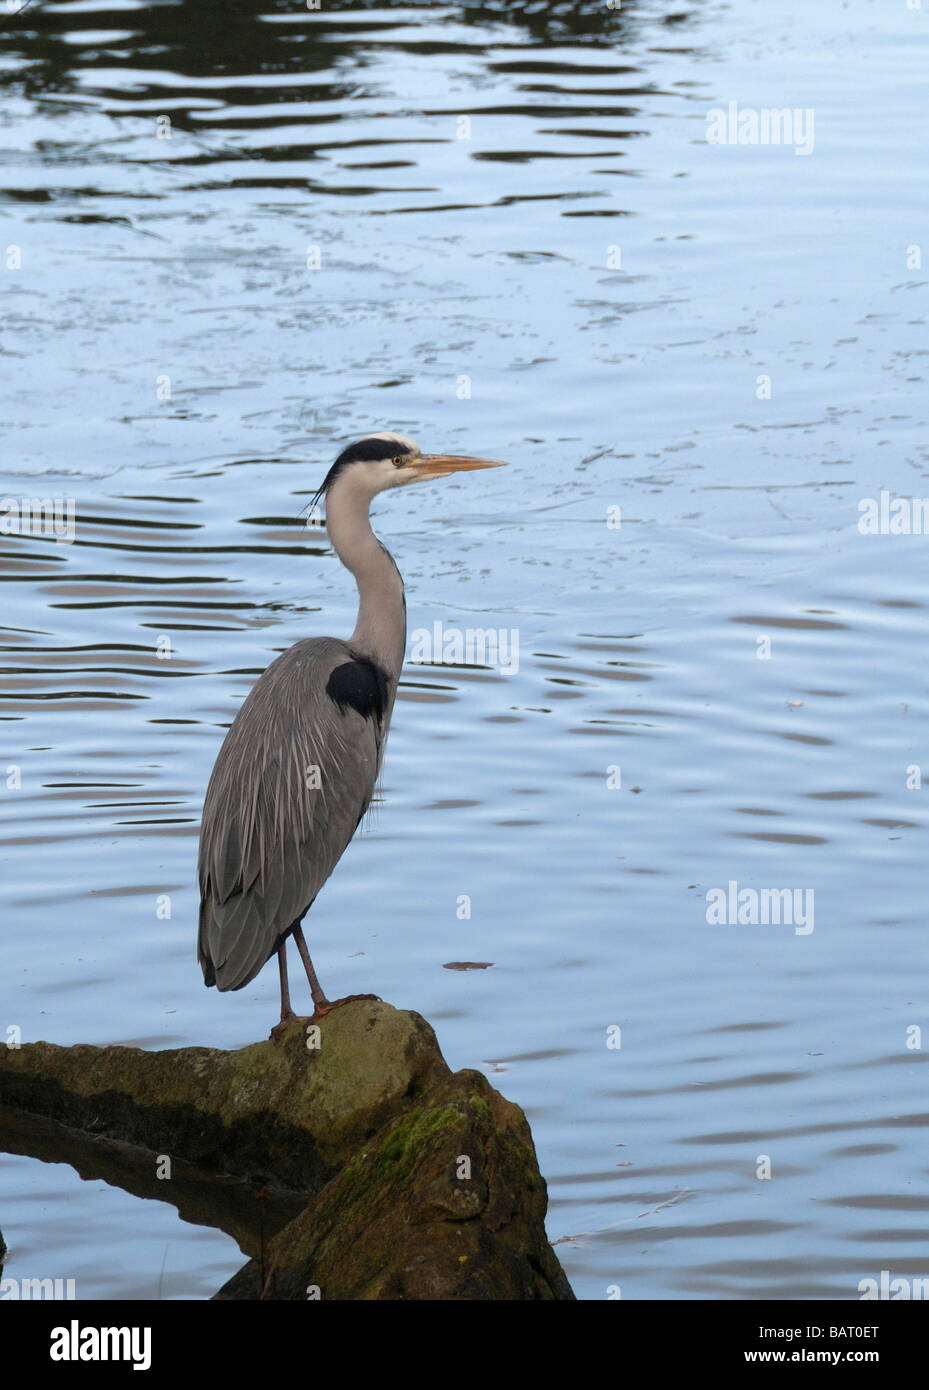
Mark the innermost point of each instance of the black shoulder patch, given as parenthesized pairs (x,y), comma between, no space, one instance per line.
(361,684)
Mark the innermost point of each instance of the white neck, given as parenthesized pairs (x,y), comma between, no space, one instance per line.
(380,630)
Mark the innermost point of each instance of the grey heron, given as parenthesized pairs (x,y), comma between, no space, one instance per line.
(297,769)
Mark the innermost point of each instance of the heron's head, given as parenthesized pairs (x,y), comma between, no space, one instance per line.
(379,461)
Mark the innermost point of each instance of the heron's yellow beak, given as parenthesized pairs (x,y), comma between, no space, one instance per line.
(440,465)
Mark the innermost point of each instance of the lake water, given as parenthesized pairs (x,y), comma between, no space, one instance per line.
(500,229)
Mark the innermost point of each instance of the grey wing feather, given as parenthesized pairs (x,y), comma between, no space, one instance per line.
(270,836)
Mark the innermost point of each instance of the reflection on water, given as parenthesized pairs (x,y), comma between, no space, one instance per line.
(499,229)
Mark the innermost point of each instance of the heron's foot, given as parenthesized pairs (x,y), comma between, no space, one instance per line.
(325,1006)
(279,1029)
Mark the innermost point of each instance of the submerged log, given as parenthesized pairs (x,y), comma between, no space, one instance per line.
(408,1182)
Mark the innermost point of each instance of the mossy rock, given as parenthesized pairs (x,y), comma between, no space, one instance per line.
(414,1183)
(277,1113)
(446,1203)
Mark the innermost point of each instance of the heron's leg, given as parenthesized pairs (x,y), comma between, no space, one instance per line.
(286,1010)
(321,1003)
(287,1013)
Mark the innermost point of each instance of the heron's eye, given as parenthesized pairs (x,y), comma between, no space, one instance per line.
(399,461)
